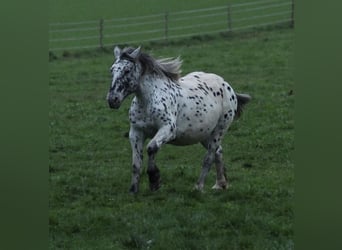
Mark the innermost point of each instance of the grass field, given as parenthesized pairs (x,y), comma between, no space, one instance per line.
(90,161)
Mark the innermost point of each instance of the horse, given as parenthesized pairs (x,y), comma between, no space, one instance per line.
(167,108)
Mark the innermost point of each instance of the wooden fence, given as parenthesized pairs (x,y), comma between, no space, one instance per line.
(170,25)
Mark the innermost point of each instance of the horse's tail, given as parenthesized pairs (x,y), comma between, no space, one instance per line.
(242,100)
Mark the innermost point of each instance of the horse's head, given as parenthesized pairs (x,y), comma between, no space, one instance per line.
(126,72)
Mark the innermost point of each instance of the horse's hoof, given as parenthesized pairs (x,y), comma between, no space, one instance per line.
(220,186)
(154,179)
(155,186)
(217,187)
(133,189)
(199,188)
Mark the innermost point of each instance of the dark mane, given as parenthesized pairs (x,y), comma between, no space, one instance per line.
(168,67)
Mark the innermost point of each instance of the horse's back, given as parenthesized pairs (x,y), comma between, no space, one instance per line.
(214,88)
(200,77)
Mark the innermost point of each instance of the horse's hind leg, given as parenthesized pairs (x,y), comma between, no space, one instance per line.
(214,154)
(213,145)
(221,179)
(207,162)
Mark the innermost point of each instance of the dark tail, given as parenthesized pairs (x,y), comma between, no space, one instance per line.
(242,100)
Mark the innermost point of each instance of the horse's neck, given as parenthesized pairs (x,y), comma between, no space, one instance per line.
(149,87)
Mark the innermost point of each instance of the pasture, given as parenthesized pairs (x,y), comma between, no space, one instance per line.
(90,156)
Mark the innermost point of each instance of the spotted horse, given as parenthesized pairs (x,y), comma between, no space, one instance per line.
(196,108)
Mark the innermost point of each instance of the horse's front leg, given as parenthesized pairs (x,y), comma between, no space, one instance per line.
(164,135)
(137,139)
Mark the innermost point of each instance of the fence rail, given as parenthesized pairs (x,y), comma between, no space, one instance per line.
(169,25)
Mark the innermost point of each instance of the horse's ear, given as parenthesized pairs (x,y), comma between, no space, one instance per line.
(117,52)
(135,53)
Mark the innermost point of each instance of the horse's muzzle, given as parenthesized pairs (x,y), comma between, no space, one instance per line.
(114,102)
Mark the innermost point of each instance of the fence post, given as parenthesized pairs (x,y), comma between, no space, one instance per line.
(101,33)
(292,14)
(229,19)
(166,26)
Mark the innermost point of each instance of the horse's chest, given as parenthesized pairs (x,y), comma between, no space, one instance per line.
(148,119)
(141,119)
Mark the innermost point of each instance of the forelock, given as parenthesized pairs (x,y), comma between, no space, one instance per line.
(165,67)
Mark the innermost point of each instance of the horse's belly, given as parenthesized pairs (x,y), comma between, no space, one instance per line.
(196,121)
(187,140)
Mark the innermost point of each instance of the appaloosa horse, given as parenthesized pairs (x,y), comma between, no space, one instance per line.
(198,107)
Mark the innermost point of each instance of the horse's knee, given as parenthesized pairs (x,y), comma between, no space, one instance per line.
(218,155)
(218,151)
(134,188)
(152,148)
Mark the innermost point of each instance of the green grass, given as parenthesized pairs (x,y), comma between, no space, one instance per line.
(90,157)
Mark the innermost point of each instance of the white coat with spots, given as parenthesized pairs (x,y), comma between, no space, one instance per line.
(196,108)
